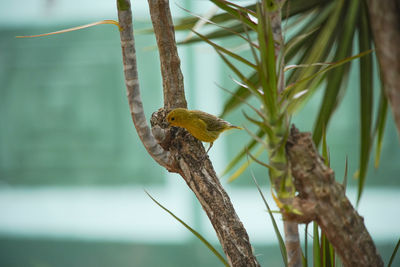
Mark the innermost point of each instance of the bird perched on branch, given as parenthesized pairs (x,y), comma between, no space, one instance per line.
(201,125)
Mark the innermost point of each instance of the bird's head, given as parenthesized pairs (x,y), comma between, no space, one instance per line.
(178,117)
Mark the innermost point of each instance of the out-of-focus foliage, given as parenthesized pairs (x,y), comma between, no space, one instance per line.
(323,39)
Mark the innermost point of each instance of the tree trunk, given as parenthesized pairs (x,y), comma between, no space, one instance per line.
(323,200)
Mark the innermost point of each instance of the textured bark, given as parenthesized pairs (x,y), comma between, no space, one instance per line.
(132,86)
(385,22)
(323,200)
(292,243)
(196,169)
(178,151)
(174,93)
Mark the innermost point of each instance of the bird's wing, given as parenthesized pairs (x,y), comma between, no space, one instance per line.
(213,123)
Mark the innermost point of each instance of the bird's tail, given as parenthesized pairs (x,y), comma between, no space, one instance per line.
(235,127)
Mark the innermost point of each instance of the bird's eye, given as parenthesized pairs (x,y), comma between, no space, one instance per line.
(173,118)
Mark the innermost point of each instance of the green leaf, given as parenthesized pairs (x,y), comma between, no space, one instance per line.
(244,166)
(263,39)
(276,229)
(293,46)
(380,126)
(332,254)
(255,137)
(242,153)
(290,9)
(346,169)
(238,14)
(300,44)
(336,78)
(262,125)
(189,22)
(320,47)
(328,253)
(330,66)
(226,51)
(295,7)
(271,59)
(244,101)
(225,32)
(325,149)
(316,247)
(245,10)
(318,78)
(199,236)
(243,78)
(366,97)
(394,253)
(240,94)
(305,255)
(260,162)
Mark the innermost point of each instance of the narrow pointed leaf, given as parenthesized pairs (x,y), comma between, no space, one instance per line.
(318,21)
(366,97)
(321,46)
(251,45)
(238,14)
(239,95)
(222,30)
(107,21)
(346,169)
(262,125)
(330,66)
(332,254)
(244,101)
(226,32)
(317,78)
(380,127)
(226,51)
(271,58)
(255,137)
(242,153)
(337,77)
(197,234)
(244,79)
(316,247)
(269,167)
(325,153)
(292,8)
(276,229)
(297,41)
(394,254)
(189,22)
(244,166)
(245,10)
(268,99)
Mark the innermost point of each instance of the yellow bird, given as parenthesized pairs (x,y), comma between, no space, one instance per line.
(201,125)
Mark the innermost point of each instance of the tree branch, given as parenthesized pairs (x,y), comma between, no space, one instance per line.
(132,86)
(185,155)
(323,200)
(192,163)
(385,22)
(174,93)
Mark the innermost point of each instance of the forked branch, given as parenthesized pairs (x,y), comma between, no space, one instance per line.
(179,151)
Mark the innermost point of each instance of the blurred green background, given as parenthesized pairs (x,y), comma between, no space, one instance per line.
(72,169)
